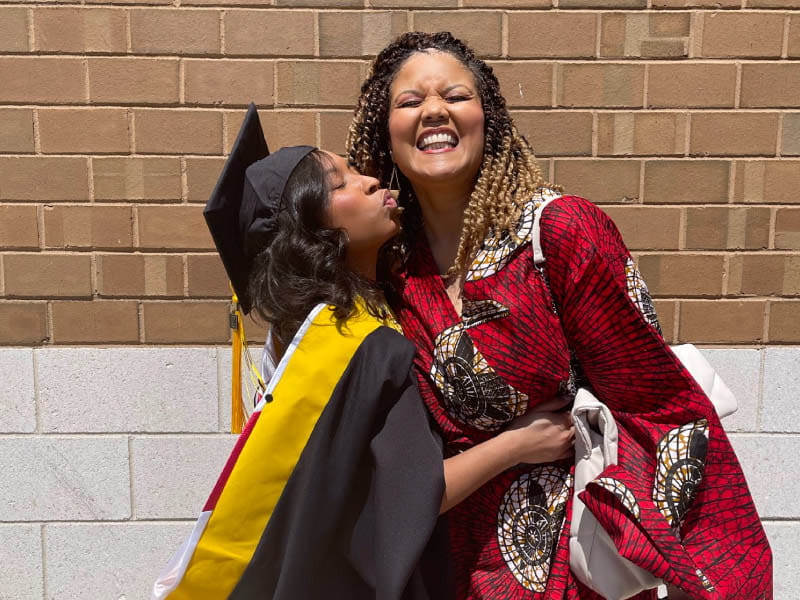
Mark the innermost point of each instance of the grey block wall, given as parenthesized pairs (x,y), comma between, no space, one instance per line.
(107,456)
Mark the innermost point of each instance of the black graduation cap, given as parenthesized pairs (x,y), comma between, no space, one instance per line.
(243,207)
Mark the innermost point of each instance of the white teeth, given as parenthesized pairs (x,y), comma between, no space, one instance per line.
(438,138)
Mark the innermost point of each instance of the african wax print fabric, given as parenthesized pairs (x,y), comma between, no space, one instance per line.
(676,504)
(334,486)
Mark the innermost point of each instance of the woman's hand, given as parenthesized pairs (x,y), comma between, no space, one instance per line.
(542,435)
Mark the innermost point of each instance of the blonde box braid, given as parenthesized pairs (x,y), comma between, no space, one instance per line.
(509,175)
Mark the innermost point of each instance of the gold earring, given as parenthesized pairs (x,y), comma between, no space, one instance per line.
(394,183)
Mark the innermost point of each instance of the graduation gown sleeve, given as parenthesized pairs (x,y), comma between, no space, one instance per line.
(677,504)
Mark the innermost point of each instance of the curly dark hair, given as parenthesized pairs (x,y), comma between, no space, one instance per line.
(508,176)
(304,264)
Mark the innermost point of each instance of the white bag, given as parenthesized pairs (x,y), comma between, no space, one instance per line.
(593,558)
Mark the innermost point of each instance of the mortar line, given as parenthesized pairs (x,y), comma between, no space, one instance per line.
(503,34)
(43,548)
(785,41)
(49,321)
(128,35)
(37,408)
(37,133)
(676,318)
(90,177)
(779,136)
(29,17)
(140,316)
(222,45)
(737,90)
(130,477)
(181,81)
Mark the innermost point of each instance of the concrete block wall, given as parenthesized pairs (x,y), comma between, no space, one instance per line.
(108,454)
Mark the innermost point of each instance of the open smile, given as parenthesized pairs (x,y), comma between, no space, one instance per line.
(434,141)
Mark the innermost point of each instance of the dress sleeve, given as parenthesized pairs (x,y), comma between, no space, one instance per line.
(607,315)
(670,502)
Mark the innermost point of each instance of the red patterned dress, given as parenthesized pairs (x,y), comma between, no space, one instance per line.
(676,504)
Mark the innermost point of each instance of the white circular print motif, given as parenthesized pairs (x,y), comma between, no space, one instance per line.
(529,522)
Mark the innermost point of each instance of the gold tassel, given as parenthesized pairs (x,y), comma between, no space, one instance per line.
(237,336)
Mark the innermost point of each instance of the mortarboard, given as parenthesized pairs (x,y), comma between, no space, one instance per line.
(242,211)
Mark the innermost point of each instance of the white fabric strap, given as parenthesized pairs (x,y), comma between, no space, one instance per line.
(538,255)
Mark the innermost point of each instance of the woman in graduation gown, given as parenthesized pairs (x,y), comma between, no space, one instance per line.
(500,331)
(334,487)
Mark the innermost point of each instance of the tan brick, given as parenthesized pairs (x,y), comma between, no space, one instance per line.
(665,309)
(784,321)
(133,80)
(721,321)
(88,226)
(19,226)
(794,37)
(556,34)
(359,33)
(602,3)
(686,181)
(43,178)
(201,177)
(697,4)
(95,322)
(481,30)
(647,227)
(600,85)
(140,275)
(557,133)
(502,3)
(413,3)
(48,275)
(740,34)
(13,29)
(175,31)
(333,128)
(281,128)
(319,83)
(207,276)
(16,130)
(255,330)
(67,29)
(773,4)
(658,35)
(764,274)
(321,3)
(790,134)
(136,178)
(626,133)
(226,82)
(23,323)
(692,275)
(724,228)
(269,32)
(766,182)
(178,131)
(149,2)
(771,84)
(186,322)
(85,130)
(787,229)
(525,83)
(737,134)
(44,79)
(600,180)
(236,3)
(692,85)
(173,227)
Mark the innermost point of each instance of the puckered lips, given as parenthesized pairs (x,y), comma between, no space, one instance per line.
(436,140)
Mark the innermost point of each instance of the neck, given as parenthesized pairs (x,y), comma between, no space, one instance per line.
(363,264)
(443,214)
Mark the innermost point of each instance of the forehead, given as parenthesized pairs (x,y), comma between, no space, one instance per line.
(431,69)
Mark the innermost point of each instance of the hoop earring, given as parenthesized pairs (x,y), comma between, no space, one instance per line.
(394,183)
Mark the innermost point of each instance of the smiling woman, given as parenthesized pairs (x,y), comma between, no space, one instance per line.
(515,295)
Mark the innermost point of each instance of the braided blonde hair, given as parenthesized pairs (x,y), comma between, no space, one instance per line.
(509,175)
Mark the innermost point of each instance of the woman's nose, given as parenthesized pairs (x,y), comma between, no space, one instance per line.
(434,109)
(371,185)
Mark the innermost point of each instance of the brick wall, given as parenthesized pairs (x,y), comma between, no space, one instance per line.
(681,117)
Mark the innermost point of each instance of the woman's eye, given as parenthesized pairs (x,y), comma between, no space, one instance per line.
(408,103)
(457,98)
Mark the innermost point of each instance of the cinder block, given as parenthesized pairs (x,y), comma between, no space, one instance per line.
(768,461)
(780,410)
(783,538)
(127,389)
(173,476)
(17,396)
(54,478)
(21,557)
(740,369)
(110,560)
